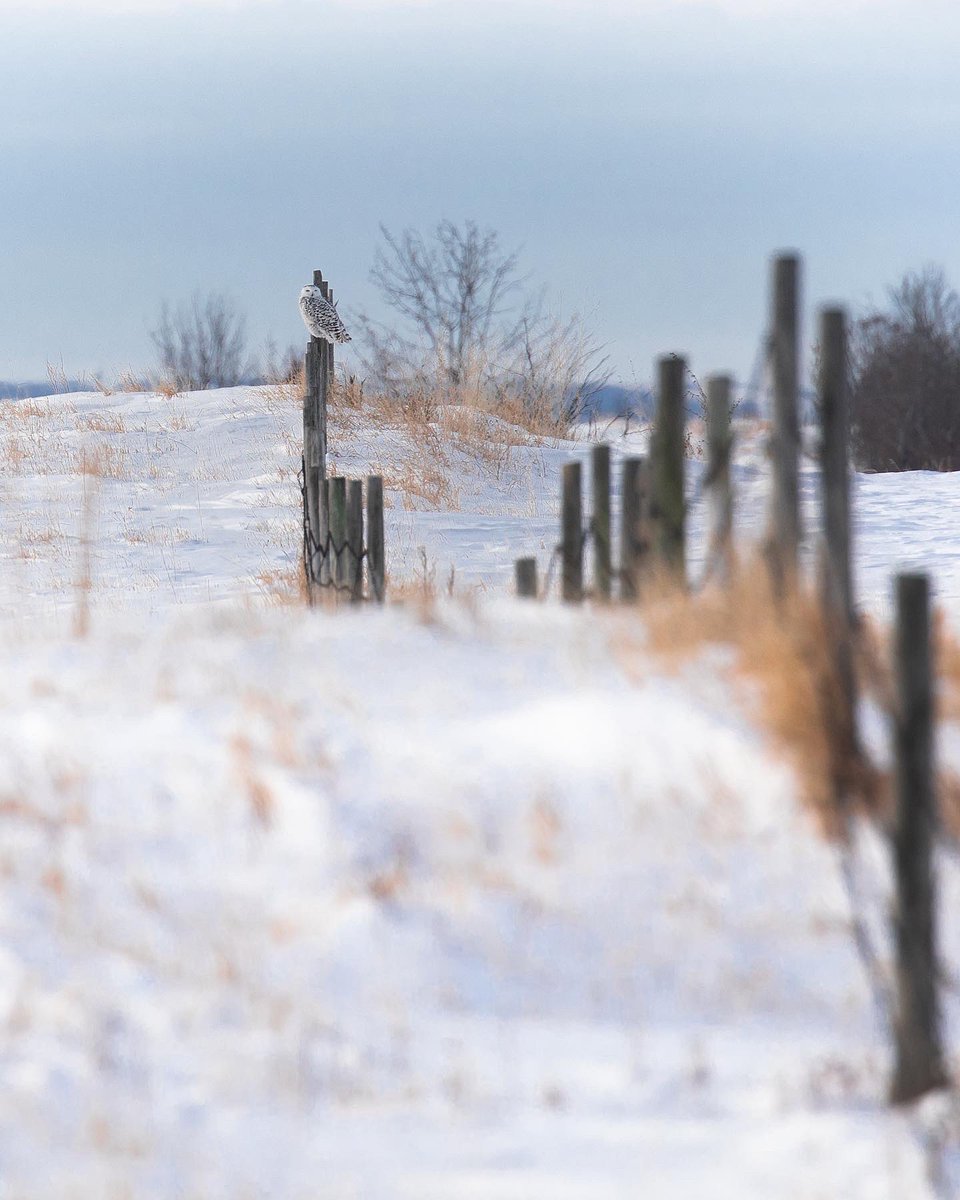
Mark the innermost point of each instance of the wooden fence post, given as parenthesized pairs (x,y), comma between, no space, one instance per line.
(634,526)
(337,495)
(572,534)
(323,348)
(353,552)
(719,475)
(525,572)
(600,519)
(311,456)
(783,544)
(376,567)
(328,364)
(919,1066)
(834,462)
(668,501)
(836,585)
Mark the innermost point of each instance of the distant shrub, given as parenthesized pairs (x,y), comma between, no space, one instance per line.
(200,345)
(905,379)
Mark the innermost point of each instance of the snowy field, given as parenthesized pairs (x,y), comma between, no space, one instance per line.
(462,898)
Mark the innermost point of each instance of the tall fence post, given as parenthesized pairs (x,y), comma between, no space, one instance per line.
(783,544)
(634,526)
(324,348)
(525,574)
(600,519)
(315,456)
(836,583)
(337,497)
(669,504)
(919,1066)
(328,363)
(311,459)
(719,475)
(571,551)
(834,462)
(353,550)
(376,567)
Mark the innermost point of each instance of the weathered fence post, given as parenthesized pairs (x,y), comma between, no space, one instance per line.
(525,572)
(311,458)
(634,526)
(783,543)
(571,541)
(376,567)
(836,584)
(668,502)
(919,1066)
(834,461)
(315,456)
(337,496)
(719,475)
(600,519)
(353,552)
(328,363)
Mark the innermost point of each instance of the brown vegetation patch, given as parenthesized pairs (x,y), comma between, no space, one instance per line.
(783,651)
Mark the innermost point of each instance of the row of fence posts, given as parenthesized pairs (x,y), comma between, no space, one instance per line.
(334,549)
(653,541)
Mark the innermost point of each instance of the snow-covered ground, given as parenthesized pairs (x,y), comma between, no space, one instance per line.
(470,898)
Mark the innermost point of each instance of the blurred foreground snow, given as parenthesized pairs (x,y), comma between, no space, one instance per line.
(470,901)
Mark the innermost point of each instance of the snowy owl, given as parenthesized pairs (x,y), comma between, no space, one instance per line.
(321,317)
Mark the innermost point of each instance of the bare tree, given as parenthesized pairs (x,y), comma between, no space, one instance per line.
(467,317)
(905,385)
(451,289)
(202,344)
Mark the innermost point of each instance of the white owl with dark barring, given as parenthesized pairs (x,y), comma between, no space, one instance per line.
(321,317)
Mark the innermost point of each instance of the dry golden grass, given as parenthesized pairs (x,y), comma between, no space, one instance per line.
(283,587)
(166,387)
(129,381)
(104,461)
(783,651)
(100,422)
(427,431)
(946,650)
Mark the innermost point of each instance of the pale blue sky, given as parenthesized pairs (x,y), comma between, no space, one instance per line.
(646,157)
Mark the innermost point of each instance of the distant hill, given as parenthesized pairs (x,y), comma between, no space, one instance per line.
(11,390)
(617,400)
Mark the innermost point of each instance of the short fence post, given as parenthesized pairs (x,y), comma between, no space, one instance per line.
(353,552)
(634,526)
(783,545)
(919,1066)
(376,570)
(600,519)
(572,534)
(668,501)
(525,570)
(337,495)
(719,475)
(323,531)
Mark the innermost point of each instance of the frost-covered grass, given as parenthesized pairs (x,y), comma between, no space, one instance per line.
(462,898)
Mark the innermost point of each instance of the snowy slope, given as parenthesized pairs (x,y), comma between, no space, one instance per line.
(468,899)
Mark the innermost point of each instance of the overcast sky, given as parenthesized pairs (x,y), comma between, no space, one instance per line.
(646,158)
